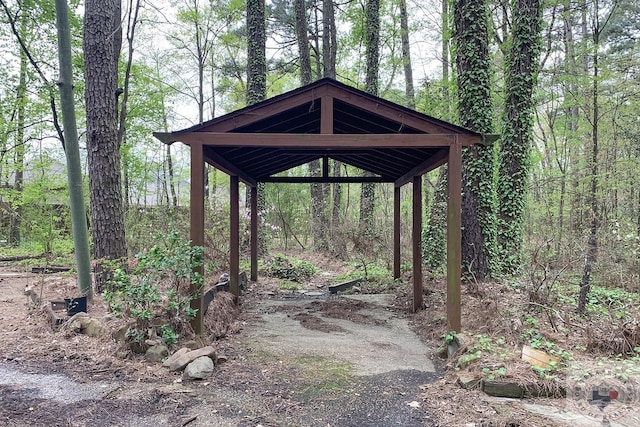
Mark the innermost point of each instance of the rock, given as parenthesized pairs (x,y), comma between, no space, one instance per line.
(94,328)
(179,363)
(468,382)
(156,353)
(138,347)
(191,345)
(221,359)
(120,335)
(199,369)
(151,343)
(82,323)
(175,356)
(314,294)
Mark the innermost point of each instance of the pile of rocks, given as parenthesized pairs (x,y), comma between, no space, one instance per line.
(195,364)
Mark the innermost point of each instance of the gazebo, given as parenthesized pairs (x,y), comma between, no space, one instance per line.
(330,120)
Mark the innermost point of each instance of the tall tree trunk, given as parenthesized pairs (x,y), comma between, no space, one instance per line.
(329,47)
(21,100)
(257,80)
(406,55)
(592,241)
(303,41)
(446,40)
(132,21)
(318,209)
(72,152)
(372,53)
(256,52)
(338,243)
(433,235)
(475,110)
(517,132)
(372,45)
(101,50)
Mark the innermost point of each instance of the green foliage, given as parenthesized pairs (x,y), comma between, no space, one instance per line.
(377,276)
(483,346)
(287,285)
(449,337)
(492,374)
(168,335)
(517,130)
(284,267)
(613,301)
(475,111)
(154,288)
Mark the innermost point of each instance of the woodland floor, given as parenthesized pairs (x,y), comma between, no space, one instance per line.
(61,378)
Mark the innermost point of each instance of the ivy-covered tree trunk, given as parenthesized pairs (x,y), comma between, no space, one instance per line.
(101,49)
(257,82)
(256,52)
(434,233)
(372,53)
(517,129)
(474,107)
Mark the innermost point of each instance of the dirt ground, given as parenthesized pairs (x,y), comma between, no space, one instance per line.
(60,378)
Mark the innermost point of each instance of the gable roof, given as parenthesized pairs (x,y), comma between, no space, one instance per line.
(322,120)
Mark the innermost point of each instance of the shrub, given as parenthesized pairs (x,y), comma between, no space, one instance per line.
(155,289)
(296,270)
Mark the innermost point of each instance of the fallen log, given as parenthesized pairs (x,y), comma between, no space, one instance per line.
(21,257)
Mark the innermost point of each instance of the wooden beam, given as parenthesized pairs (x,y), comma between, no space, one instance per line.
(219,162)
(438,159)
(326,115)
(254,233)
(392,112)
(196,234)
(313,141)
(454,238)
(329,179)
(396,232)
(417,242)
(234,236)
(270,107)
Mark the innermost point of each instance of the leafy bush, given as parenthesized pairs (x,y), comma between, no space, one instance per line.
(155,289)
(377,277)
(296,270)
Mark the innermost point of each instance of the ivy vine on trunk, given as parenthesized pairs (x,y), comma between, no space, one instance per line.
(517,129)
(479,251)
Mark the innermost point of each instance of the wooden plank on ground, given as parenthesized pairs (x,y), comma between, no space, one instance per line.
(341,287)
(50,269)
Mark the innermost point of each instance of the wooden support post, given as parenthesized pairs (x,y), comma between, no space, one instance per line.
(454,237)
(196,206)
(396,232)
(417,242)
(234,236)
(254,233)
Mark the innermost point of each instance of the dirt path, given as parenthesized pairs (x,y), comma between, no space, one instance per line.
(297,362)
